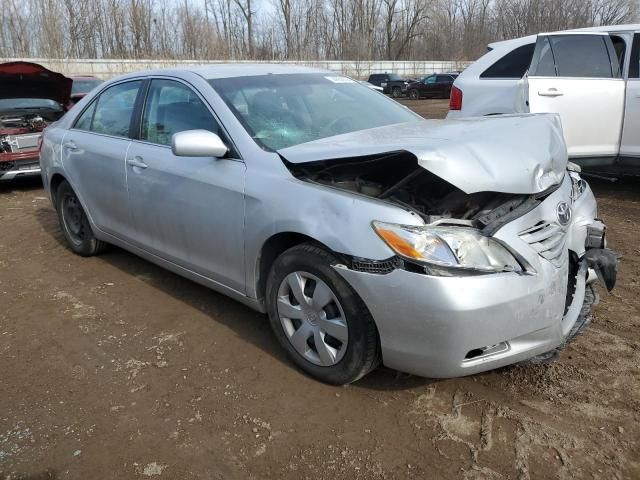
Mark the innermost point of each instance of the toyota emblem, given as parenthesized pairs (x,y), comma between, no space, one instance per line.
(563,211)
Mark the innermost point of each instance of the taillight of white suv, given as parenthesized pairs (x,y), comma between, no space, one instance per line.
(455,101)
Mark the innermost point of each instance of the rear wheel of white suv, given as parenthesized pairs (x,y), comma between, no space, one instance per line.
(74,223)
(318,319)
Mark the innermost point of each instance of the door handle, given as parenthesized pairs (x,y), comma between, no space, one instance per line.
(70,145)
(136,162)
(550,92)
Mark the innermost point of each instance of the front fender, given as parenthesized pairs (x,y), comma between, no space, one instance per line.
(338,219)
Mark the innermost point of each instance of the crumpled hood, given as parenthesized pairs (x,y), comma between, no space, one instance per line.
(520,154)
(30,80)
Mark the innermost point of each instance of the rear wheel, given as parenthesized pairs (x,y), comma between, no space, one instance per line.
(320,321)
(74,223)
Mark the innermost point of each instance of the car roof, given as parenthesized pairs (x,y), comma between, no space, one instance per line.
(84,77)
(229,70)
(516,42)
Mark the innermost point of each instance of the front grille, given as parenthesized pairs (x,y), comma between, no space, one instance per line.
(548,239)
(380,267)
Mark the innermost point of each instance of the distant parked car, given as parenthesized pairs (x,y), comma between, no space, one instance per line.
(31,97)
(590,77)
(83,85)
(391,83)
(433,86)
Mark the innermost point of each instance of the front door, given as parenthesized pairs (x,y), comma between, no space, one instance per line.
(188,210)
(94,151)
(577,75)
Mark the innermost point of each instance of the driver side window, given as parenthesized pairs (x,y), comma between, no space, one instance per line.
(430,80)
(172,107)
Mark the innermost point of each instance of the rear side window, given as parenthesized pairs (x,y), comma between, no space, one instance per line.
(111,112)
(172,107)
(585,56)
(513,65)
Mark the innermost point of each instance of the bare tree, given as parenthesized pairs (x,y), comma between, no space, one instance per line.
(287,29)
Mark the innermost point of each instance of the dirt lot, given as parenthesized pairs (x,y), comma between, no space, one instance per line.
(112,368)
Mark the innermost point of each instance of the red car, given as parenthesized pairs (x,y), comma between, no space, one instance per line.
(83,85)
(31,97)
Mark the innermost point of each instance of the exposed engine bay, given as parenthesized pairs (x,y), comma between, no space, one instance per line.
(398,178)
(20,131)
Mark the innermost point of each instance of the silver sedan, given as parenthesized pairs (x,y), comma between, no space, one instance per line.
(366,233)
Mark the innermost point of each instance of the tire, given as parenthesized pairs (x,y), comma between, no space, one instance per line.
(74,223)
(414,95)
(310,267)
(396,92)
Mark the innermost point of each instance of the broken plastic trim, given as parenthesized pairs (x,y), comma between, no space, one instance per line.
(605,263)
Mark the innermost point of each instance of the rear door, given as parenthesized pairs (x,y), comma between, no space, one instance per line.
(93,154)
(630,145)
(577,75)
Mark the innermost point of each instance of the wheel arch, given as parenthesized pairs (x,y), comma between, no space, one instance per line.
(272,248)
(54,183)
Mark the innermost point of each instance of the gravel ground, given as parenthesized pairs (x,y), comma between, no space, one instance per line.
(112,368)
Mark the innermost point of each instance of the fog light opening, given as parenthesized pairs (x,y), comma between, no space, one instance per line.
(477,353)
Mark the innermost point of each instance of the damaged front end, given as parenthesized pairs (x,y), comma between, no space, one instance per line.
(447,249)
(396,177)
(487,277)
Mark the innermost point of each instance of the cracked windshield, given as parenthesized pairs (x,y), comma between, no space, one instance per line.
(280,111)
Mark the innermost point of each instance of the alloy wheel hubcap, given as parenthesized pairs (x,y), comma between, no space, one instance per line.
(312,319)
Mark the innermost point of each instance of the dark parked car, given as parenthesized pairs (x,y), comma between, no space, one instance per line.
(82,86)
(434,86)
(391,83)
(31,97)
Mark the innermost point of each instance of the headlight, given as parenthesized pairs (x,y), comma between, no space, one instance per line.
(578,185)
(453,247)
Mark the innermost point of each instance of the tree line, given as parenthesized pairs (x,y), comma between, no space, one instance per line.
(287,29)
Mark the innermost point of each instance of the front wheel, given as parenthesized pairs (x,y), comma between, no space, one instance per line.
(396,92)
(75,224)
(320,321)
(413,94)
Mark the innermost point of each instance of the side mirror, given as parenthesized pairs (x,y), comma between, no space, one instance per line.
(198,143)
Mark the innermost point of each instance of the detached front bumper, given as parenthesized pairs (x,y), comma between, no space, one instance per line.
(437,326)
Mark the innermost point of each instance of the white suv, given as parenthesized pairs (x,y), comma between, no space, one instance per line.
(590,77)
